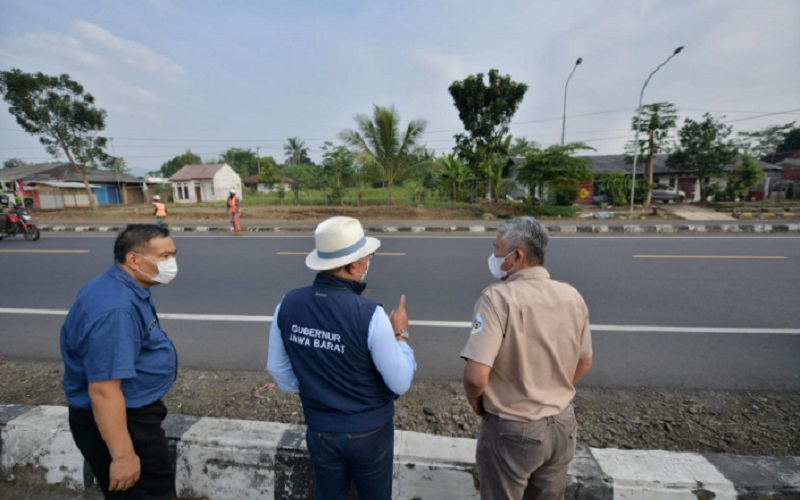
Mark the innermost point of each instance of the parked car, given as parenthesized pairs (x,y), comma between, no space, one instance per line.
(667,194)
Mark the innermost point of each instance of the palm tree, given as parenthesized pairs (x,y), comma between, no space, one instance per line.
(296,151)
(380,144)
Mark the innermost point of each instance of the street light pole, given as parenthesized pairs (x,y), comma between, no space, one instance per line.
(564,115)
(639,124)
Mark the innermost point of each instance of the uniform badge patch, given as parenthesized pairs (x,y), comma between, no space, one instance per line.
(477,325)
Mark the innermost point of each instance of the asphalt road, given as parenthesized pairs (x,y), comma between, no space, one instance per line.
(694,312)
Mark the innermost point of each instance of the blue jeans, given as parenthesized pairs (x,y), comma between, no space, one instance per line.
(339,458)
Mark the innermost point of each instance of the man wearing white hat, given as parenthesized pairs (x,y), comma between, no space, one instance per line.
(349,361)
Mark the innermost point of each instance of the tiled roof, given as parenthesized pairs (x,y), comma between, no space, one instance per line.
(62,172)
(196,172)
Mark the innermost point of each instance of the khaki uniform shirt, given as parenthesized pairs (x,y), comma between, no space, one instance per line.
(532,331)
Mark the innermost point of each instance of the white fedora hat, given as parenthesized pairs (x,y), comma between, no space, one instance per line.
(340,241)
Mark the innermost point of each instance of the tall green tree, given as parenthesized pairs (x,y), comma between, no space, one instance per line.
(296,152)
(169,168)
(337,166)
(554,165)
(486,110)
(766,141)
(704,150)
(655,121)
(381,145)
(61,113)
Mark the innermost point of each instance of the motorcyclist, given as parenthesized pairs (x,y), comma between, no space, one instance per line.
(3,222)
(4,211)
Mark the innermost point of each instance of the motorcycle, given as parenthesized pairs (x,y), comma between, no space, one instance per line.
(20,221)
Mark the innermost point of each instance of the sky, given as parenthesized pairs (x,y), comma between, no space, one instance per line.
(211,75)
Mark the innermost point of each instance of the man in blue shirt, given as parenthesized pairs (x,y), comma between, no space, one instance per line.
(118,364)
(349,361)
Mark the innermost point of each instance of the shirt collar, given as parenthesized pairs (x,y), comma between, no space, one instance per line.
(531,273)
(119,274)
(331,281)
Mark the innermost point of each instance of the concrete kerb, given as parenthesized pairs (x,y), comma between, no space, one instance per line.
(644,228)
(231,459)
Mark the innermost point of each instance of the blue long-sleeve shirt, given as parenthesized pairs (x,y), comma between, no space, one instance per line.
(394,360)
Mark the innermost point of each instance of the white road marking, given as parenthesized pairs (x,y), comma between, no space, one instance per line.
(443,324)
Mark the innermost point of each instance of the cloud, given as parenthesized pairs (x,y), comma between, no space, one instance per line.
(129,52)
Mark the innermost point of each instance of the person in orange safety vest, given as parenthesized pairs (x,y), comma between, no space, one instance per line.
(160,210)
(234,208)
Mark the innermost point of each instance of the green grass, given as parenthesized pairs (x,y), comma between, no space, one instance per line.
(369,196)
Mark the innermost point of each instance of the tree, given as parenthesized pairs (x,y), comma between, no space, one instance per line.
(704,150)
(554,165)
(169,168)
(791,141)
(455,173)
(296,152)
(521,147)
(14,163)
(243,161)
(61,113)
(380,145)
(655,121)
(747,175)
(115,164)
(303,176)
(486,111)
(337,166)
(766,141)
(268,171)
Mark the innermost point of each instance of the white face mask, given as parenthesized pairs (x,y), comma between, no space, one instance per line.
(494,266)
(167,270)
(365,272)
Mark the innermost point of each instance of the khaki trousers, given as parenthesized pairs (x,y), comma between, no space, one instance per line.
(527,460)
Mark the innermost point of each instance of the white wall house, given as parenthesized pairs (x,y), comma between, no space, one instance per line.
(199,183)
(280,182)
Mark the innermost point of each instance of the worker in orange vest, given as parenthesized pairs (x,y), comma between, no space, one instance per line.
(234,208)
(160,210)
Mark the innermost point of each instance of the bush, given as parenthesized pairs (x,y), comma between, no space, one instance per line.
(566,195)
(552,211)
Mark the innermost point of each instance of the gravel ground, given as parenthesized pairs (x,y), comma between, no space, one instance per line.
(736,422)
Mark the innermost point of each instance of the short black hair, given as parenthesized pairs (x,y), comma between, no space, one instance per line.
(135,238)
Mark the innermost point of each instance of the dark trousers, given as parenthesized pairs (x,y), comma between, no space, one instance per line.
(339,458)
(157,480)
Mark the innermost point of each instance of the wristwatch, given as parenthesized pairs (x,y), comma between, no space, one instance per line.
(403,333)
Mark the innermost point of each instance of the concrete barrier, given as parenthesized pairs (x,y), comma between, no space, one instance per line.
(230,459)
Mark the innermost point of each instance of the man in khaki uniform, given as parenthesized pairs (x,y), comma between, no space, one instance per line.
(530,343)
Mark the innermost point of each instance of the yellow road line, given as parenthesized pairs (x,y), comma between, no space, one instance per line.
(710,257)
(381,254)
(44,251)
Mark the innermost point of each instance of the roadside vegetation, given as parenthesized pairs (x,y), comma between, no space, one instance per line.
(380,159)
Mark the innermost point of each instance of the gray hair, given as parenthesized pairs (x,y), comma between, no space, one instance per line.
(527,234)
